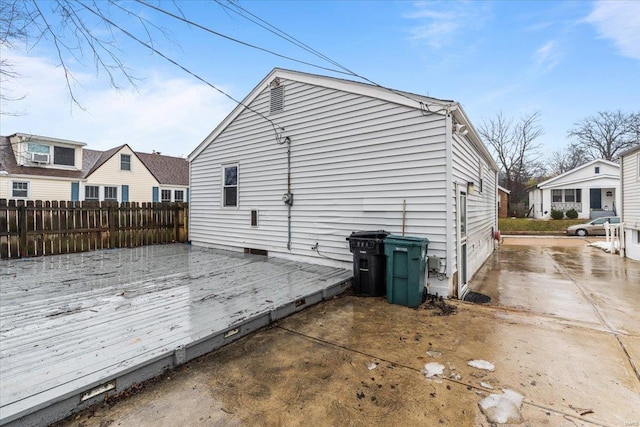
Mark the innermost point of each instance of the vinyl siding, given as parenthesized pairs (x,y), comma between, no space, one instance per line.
(354,160)
(39,188)
(481,205)
(630,173)
(139,179)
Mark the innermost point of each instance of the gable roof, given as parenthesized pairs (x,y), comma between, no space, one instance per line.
(572,171)
(103,157)
(504,190)
(167,170)
(424,103)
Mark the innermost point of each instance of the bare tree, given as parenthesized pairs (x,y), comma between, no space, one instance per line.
(77,31)
(571,157)
(514,144)
(607,134)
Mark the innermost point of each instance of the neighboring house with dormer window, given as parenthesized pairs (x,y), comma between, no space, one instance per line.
(592,189)
(41,168)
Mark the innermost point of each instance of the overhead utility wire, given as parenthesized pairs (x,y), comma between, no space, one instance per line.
(153,49)
(291,39)
(280,33)
(209,30)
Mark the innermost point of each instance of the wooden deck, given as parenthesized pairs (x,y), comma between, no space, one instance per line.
(74,327)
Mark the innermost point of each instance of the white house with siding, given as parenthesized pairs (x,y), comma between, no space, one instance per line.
(305,160)
(592,189)
(630,208)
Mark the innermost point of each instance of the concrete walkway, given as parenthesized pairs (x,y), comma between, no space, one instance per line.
(563,331)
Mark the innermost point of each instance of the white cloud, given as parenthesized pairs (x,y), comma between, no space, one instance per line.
(438,23)
(620,22)
(547,56)
(168,114)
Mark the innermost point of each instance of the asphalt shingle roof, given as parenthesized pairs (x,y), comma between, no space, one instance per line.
(167,170)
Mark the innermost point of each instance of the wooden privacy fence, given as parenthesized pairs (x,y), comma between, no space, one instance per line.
(36,228)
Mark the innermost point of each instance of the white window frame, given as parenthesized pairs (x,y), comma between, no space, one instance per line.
(55,161)
(28,183)
(567,192)
(92,186)
(35,144)
(223,186)
(555,190)
(121,157)
(162,199)
(175,196)
(105,193)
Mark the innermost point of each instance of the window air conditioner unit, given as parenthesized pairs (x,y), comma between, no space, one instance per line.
(40,157)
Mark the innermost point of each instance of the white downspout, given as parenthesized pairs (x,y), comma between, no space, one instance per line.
(450,200)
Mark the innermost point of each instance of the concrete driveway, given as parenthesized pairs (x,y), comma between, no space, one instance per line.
(563,331)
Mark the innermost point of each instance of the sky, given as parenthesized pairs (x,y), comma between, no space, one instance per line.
(566,59)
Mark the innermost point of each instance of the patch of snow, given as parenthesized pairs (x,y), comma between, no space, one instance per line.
(434,354)
(432,369)
(485,385)
(372,366)
(482,364)
(456,377)
(502,408)
(605,246)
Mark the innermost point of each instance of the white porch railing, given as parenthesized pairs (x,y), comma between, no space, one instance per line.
(567,206)
(613,237)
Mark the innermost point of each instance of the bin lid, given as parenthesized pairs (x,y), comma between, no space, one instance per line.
(393,239)
(379,234)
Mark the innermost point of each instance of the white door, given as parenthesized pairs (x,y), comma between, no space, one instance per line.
(462,241)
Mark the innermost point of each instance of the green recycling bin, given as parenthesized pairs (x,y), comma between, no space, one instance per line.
(406,264)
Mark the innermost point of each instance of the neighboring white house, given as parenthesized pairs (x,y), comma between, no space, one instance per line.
(305,160)
(630,208)
(592,189)
(35,167)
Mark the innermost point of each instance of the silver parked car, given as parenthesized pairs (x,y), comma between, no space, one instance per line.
(594,227)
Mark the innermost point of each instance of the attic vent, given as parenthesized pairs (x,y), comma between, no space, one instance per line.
(277,99)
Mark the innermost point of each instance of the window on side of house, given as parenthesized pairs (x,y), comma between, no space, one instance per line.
(165,196)
(92,192)
(37,148)
(125,162)
(556,196)
(569,195)
(178,195)
(579,195)
(64,156)
(20,189)
(230,186)
(638,236)
(597,169)
(111,194)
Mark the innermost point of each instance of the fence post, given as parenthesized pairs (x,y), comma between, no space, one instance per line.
(113,215)
(176,222)
(22,230)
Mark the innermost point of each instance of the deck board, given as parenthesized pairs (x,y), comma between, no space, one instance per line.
(69,323)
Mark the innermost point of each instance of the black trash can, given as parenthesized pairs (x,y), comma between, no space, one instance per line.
(369,262)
